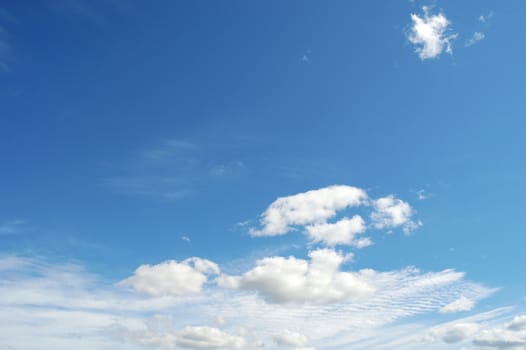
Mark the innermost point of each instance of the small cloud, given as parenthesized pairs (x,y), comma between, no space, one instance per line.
(485,18)
(208,338)
(244,223)
(186,239)
(306,57)
(477,36)
(422,195)
(294,339)
(453,333)
(228,169)
(518,323)
(430,34)
(461,304)
(391,212)
(171,277)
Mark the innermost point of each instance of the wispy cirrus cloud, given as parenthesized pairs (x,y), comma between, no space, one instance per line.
(192,304)
(13,227)
(475,38)
(172,169)
(68,306)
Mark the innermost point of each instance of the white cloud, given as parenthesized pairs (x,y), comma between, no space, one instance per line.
(499,339)
(454,333)
(311,211)
(518,323)
(483,335)
(306,208)
(322,281)
(292,339)
(422,195)
(160,333)
(390,212)
(430,34)
(341,232)
(319,280)
(461,304)
(172,277)
(477,36)
(208,338)
(485,18)
(60,306)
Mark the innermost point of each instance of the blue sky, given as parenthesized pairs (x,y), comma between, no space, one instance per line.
(262,174)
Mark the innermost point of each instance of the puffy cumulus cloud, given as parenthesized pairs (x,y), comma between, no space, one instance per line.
(171,277)
(390,212)
(461,304)
(518,323)
(292,339)
(497,339)
(50,306)
(306,208)
(311,211)
(160,334)
(341,232)
(286,280)
(483,335)
(511,336)
(430,33)
(453,333)
(208,338)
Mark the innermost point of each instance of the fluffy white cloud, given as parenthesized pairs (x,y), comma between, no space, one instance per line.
(482,334)
(284,280)
(306,208)
(292,339)
(208,338)
(159,333)
(340,232)
(390,212)
(430,34)
(311,211)
(172,277)
(454,333)
(510,337)
(461,304)
(497,339)
(518,323)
